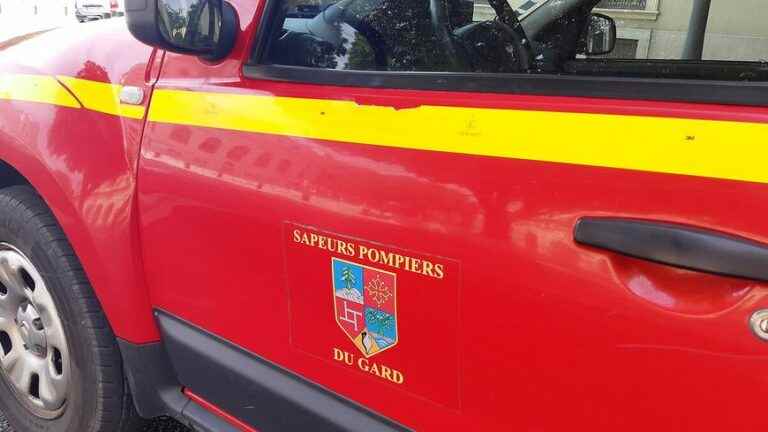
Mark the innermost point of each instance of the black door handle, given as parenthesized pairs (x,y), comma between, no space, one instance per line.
(677,245)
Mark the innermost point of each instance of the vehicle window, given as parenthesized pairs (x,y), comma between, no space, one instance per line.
(680,39)
(659,39)
(393,35)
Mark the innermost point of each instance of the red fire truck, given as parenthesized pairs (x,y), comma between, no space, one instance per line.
(384,215)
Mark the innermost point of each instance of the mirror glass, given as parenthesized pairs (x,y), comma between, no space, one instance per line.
(601,35)
(192,25)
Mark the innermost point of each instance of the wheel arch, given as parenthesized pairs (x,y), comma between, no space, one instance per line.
(109,250)
(9,176)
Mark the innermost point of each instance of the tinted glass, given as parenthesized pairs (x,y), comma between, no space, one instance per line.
(359,35)
(391,35)
(654,38)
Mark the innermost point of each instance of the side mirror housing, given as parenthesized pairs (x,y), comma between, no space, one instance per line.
(204,28)
(599,37)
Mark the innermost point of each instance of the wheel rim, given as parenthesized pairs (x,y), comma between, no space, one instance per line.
(34,356)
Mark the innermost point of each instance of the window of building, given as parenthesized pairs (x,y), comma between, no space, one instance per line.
(623,4)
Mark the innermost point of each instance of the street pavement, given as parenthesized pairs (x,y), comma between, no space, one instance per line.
(156,425)
(17,17)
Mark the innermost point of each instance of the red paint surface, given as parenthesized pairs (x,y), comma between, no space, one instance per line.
(219,412)
(552,336)
(427,318)
(84,163)
(549,335)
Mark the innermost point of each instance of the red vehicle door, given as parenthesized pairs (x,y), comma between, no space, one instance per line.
(465,218)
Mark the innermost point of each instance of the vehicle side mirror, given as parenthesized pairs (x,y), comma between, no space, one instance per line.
(599,37)
(205,28)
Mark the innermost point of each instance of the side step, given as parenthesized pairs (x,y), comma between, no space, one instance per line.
(235,381)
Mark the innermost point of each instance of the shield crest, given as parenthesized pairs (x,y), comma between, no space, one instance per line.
(365,305)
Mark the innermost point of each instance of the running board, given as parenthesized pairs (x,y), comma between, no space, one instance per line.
(255,391)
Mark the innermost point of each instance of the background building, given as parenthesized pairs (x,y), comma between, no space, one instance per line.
(657,29)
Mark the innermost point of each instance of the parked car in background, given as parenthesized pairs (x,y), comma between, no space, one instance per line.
(90,10)
(116,7)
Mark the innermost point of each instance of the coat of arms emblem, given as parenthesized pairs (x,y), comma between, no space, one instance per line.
(365,305)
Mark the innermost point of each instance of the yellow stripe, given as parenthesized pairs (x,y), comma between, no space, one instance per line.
(718,149)
(102,97)
(35,88)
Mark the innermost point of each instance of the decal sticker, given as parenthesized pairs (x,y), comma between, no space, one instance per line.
(365,304)
(364,307)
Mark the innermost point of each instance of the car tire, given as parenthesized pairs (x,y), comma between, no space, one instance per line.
(57,312)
